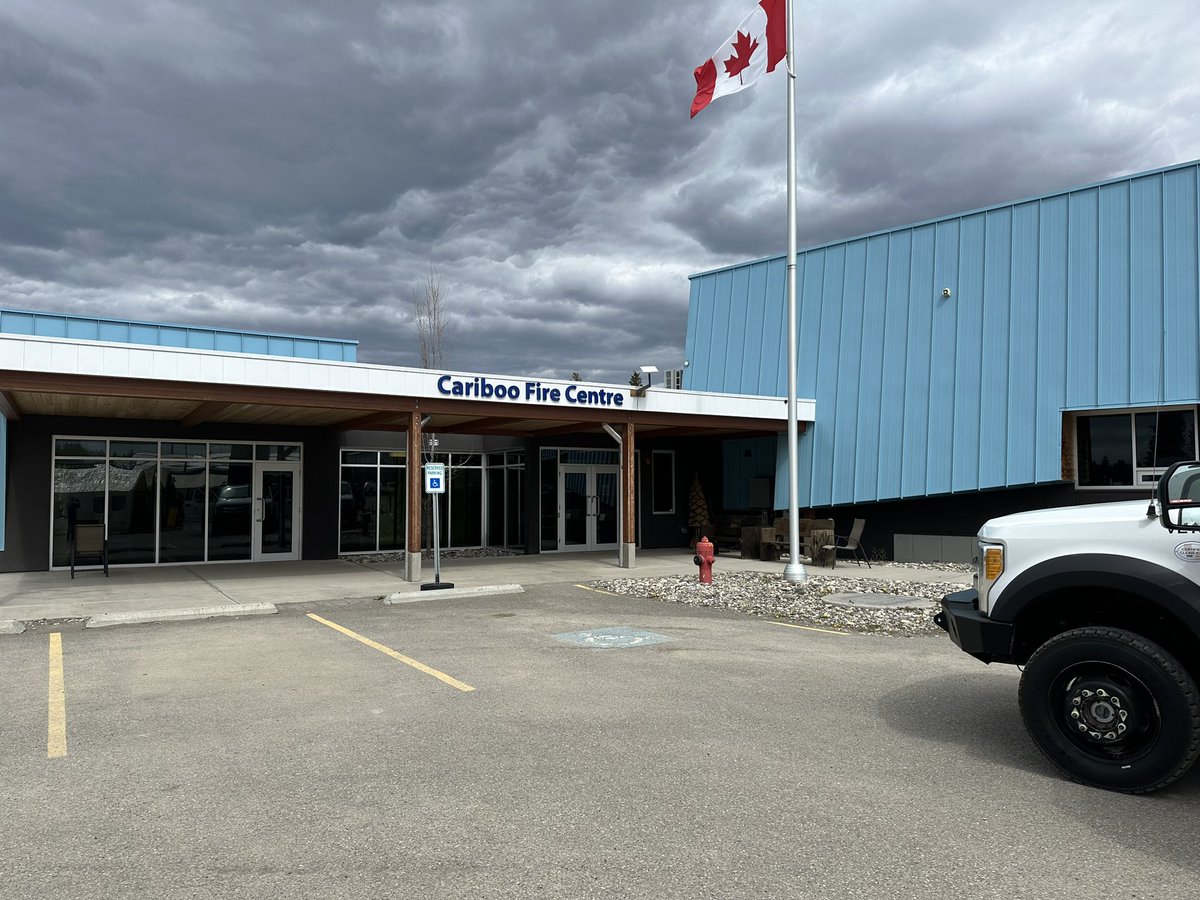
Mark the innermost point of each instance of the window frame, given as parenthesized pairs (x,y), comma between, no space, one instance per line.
(1131,414)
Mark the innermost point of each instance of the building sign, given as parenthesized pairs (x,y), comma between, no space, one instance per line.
(482,388)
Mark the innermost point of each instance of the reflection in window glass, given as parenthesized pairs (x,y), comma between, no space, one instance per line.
(181,511)
(393,457)
(78,497)
(360,457)
(278,451)
(1105,450)
(392,512)
(549,500)
(230,501)
(77,447)
(182,451)
(133,449)
(1165,437)
(132,499)
(231,451)
(358,509)
(495,504)
(515,501)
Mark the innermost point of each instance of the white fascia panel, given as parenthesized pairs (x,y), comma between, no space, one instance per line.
(58,355)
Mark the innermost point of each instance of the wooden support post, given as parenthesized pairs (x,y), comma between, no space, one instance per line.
(628,510)
(412,542)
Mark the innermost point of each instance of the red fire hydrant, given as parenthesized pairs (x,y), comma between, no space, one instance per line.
(704,559)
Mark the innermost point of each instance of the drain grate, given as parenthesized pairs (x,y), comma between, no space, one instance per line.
(617,638)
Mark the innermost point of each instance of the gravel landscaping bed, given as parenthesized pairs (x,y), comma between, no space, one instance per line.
(768,595)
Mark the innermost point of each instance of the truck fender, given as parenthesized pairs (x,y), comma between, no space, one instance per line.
(1169,590)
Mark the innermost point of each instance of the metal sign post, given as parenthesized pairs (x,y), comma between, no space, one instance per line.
(435,484)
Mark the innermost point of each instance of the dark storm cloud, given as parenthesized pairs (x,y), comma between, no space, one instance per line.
(300,167)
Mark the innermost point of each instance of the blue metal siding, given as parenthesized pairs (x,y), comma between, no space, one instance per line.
(916,376)
(895,342)
(994,355)
(1079,300)
(82,328)
(1113,336)
(968,304)
(867,449)
(1181,375)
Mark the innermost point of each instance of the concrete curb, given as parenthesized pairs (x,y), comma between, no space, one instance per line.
(11,626)
(175,615)
(478,591)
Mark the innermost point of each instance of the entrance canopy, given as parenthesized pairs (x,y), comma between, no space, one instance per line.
(48,376)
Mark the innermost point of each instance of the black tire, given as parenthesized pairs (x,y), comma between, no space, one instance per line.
(1139,708)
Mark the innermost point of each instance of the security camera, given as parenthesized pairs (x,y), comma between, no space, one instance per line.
(945,292)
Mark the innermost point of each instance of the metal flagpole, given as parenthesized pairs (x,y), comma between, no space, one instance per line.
(794,570)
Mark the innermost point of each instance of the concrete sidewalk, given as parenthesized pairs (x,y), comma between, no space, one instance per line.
(131,595)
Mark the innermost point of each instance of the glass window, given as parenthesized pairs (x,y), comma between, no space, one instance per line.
(662,477)
(231,451)
(229,504)
(1165,437)
(515,506)
(467,459)
(358,508)
(133,449)
(590,457)
(132,505)
(466,507)
(182,451)
(277,451)
(393,457)
(77,447)
(181,511)
(78,497)
(549,500)
(393,514)
(495,503)
(360,457)
(1114,448)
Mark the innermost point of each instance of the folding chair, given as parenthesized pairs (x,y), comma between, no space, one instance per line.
(851,543)
(89,545)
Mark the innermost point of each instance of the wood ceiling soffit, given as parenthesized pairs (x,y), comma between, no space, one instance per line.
(370,421)
(136,388)
(203,412)
(9,407)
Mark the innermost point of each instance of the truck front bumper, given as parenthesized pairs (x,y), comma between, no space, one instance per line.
(972,630)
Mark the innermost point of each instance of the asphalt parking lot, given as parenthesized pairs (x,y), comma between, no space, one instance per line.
(470,751)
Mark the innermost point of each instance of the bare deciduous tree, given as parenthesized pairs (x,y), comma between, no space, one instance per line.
(433,322)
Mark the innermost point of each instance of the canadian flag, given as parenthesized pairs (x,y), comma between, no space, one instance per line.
(758,44)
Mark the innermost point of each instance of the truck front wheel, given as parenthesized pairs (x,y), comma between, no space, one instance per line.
(1111,709)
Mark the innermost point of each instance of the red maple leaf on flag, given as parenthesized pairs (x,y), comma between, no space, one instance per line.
(743,50)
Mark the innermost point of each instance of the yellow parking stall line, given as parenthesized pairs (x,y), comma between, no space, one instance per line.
(810,628)
(597,590)
(400,657)
(56,734)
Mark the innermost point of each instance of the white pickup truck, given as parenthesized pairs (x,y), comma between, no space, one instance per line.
(1101,605)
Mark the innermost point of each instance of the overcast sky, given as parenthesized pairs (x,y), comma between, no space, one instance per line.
(292,166)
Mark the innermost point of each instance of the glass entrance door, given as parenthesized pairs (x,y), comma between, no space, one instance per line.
(275,511)
(589,507)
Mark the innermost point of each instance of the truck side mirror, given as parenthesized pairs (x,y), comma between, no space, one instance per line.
(1179,497)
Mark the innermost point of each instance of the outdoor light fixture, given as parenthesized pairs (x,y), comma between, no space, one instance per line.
(648,371)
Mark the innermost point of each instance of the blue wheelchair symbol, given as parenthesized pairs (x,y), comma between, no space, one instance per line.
(435,483)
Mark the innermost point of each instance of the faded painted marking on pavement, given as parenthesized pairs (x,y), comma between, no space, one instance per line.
(56,735)
(810,628)
(399,657)
(616,638)
(597,590)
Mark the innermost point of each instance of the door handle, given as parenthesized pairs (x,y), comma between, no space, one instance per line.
(261,510)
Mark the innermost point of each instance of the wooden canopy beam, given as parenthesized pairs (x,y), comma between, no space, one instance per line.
(203,412)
